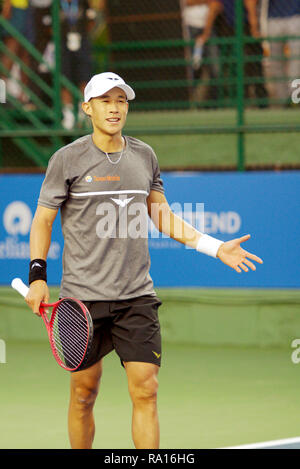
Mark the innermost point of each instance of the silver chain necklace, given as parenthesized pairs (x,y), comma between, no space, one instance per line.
(119,159)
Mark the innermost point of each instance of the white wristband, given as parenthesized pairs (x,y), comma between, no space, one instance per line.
(208,245)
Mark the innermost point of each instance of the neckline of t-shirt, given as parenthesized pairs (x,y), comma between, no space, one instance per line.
(113,153)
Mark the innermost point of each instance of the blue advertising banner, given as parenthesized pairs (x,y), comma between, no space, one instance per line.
(19,194)
(265,205)
(224,205)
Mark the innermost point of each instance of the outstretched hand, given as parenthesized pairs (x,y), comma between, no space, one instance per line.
(232,254)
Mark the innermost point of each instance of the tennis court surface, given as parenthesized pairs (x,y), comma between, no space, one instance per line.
(208,398)
(213,395)
(288,443)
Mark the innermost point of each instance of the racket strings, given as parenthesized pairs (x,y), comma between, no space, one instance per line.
(68,316)
(70,341)
(66,349)
(60,335)
(70,333)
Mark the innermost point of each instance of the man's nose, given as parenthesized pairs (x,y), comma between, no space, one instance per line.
(114,107)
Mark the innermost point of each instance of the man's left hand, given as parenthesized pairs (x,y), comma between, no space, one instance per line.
(232,254)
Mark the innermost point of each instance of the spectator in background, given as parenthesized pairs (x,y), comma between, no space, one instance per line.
(77,19)
(17,13)
(251,27)
(284,20)
(40,23)
(41,27)
(194,17)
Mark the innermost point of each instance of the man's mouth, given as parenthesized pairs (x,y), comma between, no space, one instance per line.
(113,120)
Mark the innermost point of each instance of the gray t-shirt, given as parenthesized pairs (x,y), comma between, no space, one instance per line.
(104,217)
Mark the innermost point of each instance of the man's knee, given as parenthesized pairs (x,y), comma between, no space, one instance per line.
(85,387)
(83,397)
(144,390)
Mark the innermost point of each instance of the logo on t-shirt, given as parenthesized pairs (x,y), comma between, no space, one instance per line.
(106,178)
(122,202)
(102,178)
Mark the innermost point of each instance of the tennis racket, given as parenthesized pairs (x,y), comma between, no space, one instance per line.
(70,328)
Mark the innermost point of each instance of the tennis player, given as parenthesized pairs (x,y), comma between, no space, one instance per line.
(105,185)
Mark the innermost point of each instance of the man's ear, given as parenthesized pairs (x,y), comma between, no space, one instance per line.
(86,107)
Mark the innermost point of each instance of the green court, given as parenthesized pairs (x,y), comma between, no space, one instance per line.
(227,375)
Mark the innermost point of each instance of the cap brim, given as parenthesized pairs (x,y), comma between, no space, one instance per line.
(130,94)
(128,91)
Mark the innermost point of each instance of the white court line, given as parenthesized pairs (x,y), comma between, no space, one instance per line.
(286,441)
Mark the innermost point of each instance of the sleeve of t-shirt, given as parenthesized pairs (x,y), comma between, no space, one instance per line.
(157,183)
(54,190)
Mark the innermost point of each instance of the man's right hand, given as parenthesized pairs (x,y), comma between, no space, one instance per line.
(38,293)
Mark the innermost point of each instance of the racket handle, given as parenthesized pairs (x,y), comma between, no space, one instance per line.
(20,286)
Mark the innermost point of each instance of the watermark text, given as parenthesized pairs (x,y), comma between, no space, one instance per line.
(296,353)
(2,91)
(2,351)
(296,93)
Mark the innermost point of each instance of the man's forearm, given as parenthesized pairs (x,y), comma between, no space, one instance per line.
(40,238)
(251,7)
(6,9)
(215,8)
(174,226)
(177,228)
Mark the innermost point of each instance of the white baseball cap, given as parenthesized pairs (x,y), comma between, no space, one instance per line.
(103,82)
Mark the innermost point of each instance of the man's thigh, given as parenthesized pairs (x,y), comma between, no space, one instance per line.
(87,379)
(136,330)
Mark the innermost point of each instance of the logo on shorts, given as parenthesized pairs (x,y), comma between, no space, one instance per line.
(156,354)
(88,178)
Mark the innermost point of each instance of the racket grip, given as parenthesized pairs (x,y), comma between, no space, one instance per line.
(20,286)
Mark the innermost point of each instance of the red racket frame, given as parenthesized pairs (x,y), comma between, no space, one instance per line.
(49,327)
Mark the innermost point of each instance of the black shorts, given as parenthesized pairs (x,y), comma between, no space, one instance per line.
(131,327)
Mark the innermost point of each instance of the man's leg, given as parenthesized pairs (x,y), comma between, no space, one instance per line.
(143,386)
(277,65)
(7,62)
(293,28)
(84,390)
